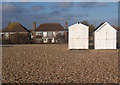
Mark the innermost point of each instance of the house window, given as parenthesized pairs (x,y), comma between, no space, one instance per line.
(50,33)
(6,35)
(44,34)
(61,32)
(39,33)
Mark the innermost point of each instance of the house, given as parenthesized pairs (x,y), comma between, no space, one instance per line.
(117,28)
(13,28)
(47,32)
(105,37)
(78,36)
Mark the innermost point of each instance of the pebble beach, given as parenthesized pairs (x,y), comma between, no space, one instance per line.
(54,63)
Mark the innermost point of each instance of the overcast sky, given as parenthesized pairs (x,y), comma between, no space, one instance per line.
(58,12)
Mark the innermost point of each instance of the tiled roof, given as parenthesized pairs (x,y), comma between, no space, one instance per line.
(115,27)
(15,27)
(50,27)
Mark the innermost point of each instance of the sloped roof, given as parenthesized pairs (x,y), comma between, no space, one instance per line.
(103,24)
(50,27)
(15,27)
(78,24)
(117,28)
(99,26)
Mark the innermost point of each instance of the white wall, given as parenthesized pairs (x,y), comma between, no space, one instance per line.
(78,36)
(44,34)
(105,37)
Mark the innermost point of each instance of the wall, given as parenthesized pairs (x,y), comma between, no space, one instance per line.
(78,37)
(105,38)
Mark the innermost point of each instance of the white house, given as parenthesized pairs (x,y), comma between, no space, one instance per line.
(78,36)
(105,37)
(47,32)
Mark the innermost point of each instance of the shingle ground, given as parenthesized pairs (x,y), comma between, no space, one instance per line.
(54,63)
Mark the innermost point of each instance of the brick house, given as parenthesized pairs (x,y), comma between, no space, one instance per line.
(47,32)
(13,28)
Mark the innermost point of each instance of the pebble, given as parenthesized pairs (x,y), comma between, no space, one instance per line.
(55,64)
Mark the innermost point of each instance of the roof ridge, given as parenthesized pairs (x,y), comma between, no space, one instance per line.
(15,27)
(50,27)
(50,23)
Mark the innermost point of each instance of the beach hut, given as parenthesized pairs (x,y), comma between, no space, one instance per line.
(78,36)
(105,37)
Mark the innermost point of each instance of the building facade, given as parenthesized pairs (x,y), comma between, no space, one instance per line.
(48,32)
(12,29)
(78,36)
(105,37)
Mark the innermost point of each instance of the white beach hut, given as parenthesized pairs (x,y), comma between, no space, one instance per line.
(78,36)
(105,37)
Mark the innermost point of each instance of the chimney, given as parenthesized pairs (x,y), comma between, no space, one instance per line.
(9,23)
(66,32)
(66,25)
(34,25)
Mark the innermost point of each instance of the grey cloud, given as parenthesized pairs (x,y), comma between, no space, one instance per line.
(66,4)
(55,12)
(65,9)
(92,4)
(12,8)
(37,8)
(54,6)
(63,6)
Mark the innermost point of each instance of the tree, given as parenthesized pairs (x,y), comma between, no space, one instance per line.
(18,38)
(91,27)
(85,23)
(60,38)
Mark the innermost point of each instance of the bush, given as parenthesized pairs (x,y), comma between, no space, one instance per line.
(60,38)
(17,38)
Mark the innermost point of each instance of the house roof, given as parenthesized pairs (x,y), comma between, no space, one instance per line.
(117,28)
(15,27)
(103,24)
(50,27)
(30,30)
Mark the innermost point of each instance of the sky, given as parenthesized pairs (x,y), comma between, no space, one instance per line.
(59,12)
(60,0)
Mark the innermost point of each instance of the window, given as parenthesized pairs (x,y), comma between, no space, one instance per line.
(50,33)
(39,33)
(44,34)
(6,35)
